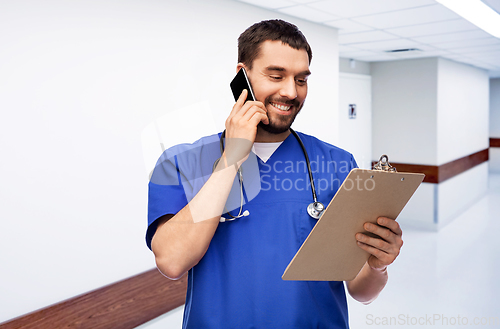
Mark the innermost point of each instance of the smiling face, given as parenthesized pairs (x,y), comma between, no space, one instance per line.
(279,80)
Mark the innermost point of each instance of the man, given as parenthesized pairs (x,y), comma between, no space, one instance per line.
(235,267)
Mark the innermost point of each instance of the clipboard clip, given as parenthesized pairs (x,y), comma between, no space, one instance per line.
(384,165)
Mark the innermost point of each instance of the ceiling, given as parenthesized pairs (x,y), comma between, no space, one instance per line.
(370,29)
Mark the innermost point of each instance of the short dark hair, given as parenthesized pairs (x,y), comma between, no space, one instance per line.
(250,41)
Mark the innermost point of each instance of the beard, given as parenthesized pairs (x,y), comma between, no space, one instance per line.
(280,123)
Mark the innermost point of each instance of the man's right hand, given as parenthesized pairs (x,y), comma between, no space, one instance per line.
(241,128)
(181,241)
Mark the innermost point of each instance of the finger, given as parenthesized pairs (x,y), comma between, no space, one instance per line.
(239,103)
(379,254)
(381,231)
(259,117)
(390,224)
(257,107)
(374,242)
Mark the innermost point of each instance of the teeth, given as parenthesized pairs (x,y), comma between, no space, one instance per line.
(282,107)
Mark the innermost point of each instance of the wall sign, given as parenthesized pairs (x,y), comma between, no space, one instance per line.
(352,111)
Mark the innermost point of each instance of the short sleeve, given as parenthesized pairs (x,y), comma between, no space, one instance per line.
(166,194)
(178,176)
(353,163)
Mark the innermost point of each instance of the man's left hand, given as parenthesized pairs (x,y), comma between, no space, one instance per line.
(384,250)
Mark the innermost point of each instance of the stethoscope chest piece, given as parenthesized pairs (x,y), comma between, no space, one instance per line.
(315,209)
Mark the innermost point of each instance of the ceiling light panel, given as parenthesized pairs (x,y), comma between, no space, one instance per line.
(421,15)
(476,12)
(355,8)
(493,4)
(307,13)
(449,26)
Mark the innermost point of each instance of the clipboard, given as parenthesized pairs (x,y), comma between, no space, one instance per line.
(330,252)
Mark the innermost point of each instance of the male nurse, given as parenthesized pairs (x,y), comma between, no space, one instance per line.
(234,266)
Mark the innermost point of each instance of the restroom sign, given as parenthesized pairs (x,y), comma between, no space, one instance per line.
(352,111)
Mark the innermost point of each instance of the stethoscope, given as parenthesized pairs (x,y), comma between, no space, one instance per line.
(315,209)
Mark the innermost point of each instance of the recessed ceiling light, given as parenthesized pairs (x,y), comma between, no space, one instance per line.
(476,12)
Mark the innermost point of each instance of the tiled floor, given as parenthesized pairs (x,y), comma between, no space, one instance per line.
(445,279)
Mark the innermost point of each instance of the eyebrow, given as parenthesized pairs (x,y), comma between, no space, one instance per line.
(282,69)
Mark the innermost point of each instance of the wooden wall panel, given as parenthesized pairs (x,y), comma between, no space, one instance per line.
(431,172)
(121,305)
(438,174)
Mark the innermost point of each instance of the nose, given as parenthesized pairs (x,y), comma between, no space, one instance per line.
(288,89)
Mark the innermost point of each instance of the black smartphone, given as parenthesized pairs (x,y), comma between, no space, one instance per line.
(241,82)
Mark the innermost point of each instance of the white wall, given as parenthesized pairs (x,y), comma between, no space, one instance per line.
(495,108)
(355,135)
(463,120)
(463,110)
(356,67)
(79,81)
(457,194)
(495,123)
(404,103)
(432,111)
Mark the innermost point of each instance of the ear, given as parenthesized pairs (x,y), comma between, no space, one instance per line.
(239,66)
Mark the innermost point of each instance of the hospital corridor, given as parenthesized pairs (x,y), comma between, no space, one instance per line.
(116,114)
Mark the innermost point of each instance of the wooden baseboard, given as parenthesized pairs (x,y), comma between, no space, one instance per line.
(494,142)
(122,305)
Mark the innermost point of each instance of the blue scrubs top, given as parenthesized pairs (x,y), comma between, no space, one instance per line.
(237,284)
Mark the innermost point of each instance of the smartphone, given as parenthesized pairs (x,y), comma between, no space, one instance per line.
(241,82)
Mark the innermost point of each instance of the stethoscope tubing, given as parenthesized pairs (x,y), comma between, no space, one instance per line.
(314,210)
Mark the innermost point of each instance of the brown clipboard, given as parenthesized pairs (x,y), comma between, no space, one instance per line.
(330,252)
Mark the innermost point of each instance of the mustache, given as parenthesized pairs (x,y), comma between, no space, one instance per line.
(286,101)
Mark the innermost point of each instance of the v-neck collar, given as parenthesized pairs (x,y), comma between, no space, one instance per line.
(283,144)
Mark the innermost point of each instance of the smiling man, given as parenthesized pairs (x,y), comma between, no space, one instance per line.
(235,264)
(279,76)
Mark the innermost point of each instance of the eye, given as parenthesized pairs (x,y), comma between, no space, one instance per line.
(301,82)
(275,77)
